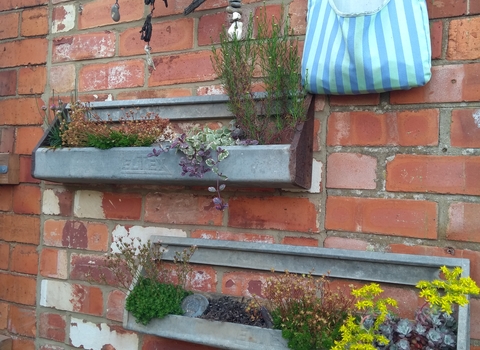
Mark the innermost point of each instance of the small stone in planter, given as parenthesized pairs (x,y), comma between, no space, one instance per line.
(194,305)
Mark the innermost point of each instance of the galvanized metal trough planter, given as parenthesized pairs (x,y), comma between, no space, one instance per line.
(268,166)
(400,269)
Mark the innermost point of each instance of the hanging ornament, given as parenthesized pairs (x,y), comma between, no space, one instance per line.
(116,11)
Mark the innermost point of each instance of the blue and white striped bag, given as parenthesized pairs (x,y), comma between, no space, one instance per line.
(366,46)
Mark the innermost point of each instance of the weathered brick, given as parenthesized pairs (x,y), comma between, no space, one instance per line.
(9,25)
(125,206)
(407,218)
(53,263)
(24,259)
(243,283)
(20,111)
(52,326)
(7,139)
(465,128)
(93,14)
(62,78)
(4,255)
(171,209)
(186,68)
(22,321)
(19,343)
(345,243)
(178,7)
(462,41)
(34,21)
(355,100)
(27,139)
(450,83)
(26,199)
(158,343)
(463,222)
(63,18)
(23,52)
(440,174)
(18,289)
(210,26)
(86,267)
(4,307)
(72,297)
(6,198)
(351,170)
(169,36)
(301,241)
(473,256)
(143,234)
(76,234)
(232,236)
(50,347)
(32,80)
(475,318)
(6,5)
(405,128)
(113,75)
(297,14)
(446,8)
(281,213)
(270,13)
(115,305)
(436,38)
(57,201)
(154,93)
(84,46)
(20,228)
(88,204)
(8,83)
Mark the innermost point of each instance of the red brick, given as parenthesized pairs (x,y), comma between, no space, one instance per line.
(464,221)
(177,7)
(345,243)
(18,289)
(24,259)
(301,241)
(76,234)
(406,128)
(4,255)
(26,199)
(89,267)
(475,318)
(26,170)
(6,5)
(35,21)
(87,299)
(439,174)
(355,100)
(63,18)
(319,102)
(232,236)
(465,128)
(317,138)
(62,78)
(186,68)
(436,38)
(7,139)
(473,256)
(4,307)
(22,321)
(351,170)
(27,139)
(52,326)
(202,279)
(242,283)
(6,198)
(93,14)
(157,343)
(125,206)
(270,12)
(278,213)
(20,228)
(22,343)
(113,75)
(23,52)
(32,80)
(297,14)
(53,263)
(9,25)
(446,8)
(451,83)
(462,41)
(474,7)
(84,46)
(210,26)
(20,111)
(8,83)
(154,93)
(406,218)
(168,36)
(115,305)
(171,209)
(64,198)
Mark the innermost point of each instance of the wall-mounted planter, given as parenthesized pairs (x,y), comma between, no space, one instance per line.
(275,166)
(398,269)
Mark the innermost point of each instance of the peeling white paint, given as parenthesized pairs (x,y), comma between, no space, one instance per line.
(118,76)
(50,203)
(56,294)
(88,204)
(67,23)
(109,97)
(476,117)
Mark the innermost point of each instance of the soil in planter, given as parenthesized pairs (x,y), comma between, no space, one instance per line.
(228,309)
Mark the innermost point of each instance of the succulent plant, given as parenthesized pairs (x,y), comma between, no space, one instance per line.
(404,328)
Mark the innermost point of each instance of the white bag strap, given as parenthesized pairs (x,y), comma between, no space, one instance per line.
(355,8)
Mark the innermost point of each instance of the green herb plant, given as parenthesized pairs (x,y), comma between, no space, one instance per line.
(158,290)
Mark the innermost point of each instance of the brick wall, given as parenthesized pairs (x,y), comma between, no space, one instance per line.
(396,172)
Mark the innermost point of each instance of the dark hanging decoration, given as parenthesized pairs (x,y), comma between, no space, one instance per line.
(147,29)
(192,6)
